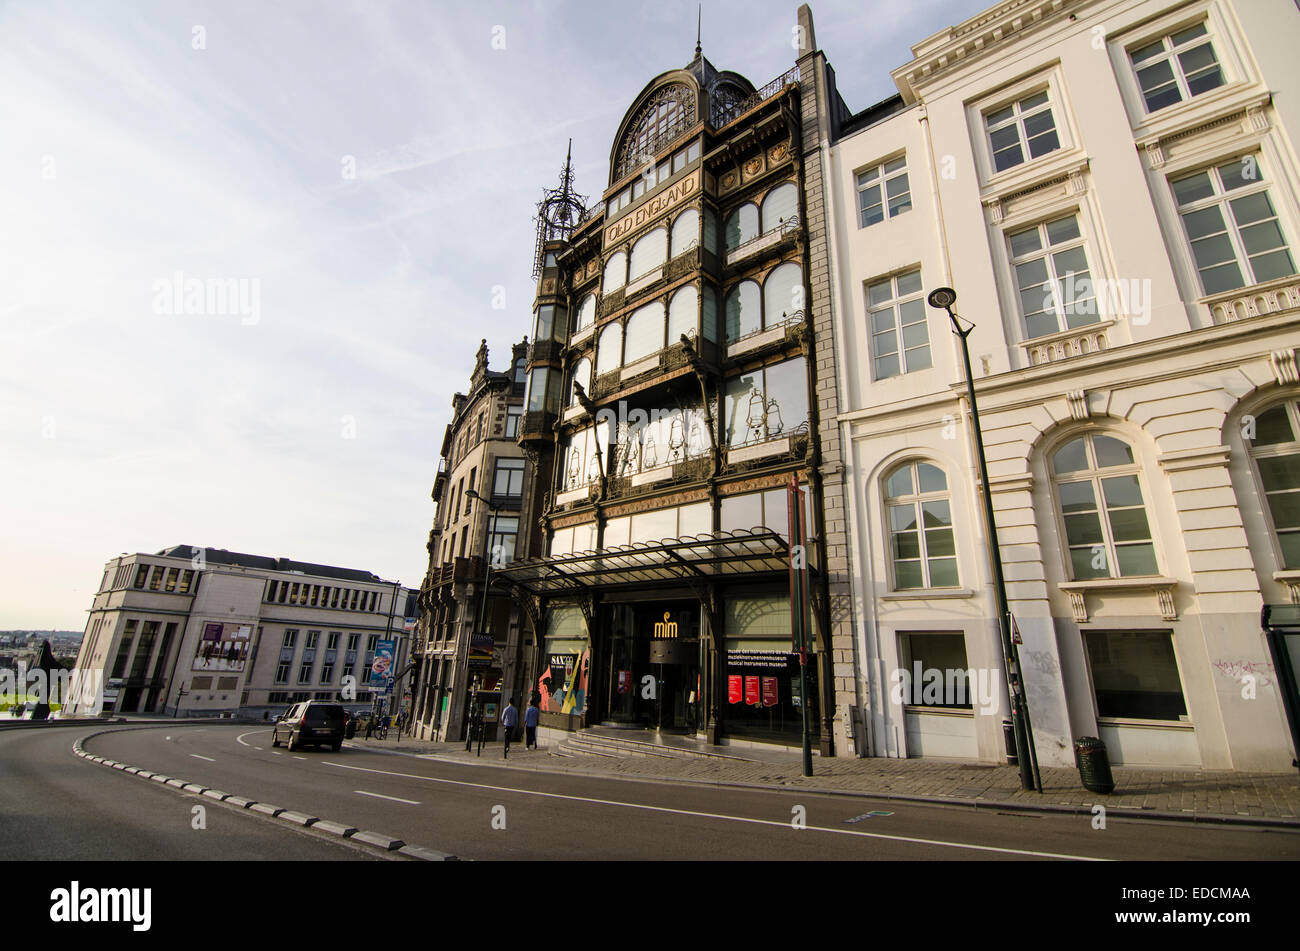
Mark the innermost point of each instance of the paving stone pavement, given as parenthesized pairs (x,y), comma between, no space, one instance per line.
(1167,793)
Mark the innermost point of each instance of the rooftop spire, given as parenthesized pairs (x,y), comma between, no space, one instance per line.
(699,17)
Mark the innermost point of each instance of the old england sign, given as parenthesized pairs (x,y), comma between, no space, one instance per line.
(640,217)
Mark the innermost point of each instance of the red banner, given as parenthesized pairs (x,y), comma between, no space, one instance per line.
(770,693)
(624,681)
(751,690)
(735,689)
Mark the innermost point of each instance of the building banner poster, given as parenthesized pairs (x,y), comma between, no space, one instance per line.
(222,647)
(381,671)
(751,690)
(735,689)
(770,693)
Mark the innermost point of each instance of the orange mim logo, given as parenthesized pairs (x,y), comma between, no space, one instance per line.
(666,628)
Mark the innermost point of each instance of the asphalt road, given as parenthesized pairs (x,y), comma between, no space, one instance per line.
(493,812)
(55,806)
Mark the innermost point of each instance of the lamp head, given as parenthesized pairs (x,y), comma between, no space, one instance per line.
(942,297)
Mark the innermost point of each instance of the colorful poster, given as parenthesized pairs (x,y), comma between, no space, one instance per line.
(624,681)
(480,650)
(770,692)
(735,688)
(381,670)
(751,690)
(222,647)
(575,698)
(551,684)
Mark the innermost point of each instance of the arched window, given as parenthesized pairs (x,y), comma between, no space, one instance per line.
(744,310)
(609,349)
(921,543)
(1275,450)
(586,312)
(781,205)
(782,294)
(581,374)
(1105,519)
(645,333)
(686,232)
(648,253)
(668,113)
(615,273)
(742,226)
(683,314)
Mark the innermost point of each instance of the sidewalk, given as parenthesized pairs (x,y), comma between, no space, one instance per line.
(1188,795)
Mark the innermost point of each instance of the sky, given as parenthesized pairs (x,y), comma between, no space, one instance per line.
(351,187)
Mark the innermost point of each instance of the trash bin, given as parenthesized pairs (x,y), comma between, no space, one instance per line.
(1009,740)
(1094,765)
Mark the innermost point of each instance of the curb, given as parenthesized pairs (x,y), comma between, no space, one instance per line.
(997,805)
(374,840)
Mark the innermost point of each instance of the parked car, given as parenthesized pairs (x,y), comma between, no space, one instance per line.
(313,723)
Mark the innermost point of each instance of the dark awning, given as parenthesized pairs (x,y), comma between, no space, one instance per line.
(720,556)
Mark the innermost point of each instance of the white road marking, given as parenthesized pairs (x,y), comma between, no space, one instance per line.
(257,747)
(208,758)
(714,815)
(274,753)
(240,739)
(300,757)
(362,792)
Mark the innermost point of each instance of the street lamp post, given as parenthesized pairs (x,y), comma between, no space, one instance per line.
(481,623)
(1026,758)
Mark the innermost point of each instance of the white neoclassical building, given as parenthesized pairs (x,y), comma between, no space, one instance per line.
(1111,187)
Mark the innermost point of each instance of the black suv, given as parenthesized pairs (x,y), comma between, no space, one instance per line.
(313,723)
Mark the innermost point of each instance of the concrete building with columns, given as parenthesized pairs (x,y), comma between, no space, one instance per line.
(1112,189)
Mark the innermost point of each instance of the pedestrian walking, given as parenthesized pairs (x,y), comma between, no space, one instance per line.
(370,727)
(509,719)
(531,716)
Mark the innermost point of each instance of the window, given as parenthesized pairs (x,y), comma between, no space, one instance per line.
(883,192)
(1176,67)
(609,349)
(586,312)
(521,371)
(683,314)
(1052,277)
(645,333)
(290,639)
(372,643)
(502,533)
(648,253)
(514,415)
(1275,450)
(473,481)
(615,273)
(327,671)
(945,653)
(742,226)
(1026,126)
(141,574)
(551,324)
(544,390)
(312,638)
(1234,231)
(896,309)
(780,206)
(782,294)
(1106,528)
(353,641)
(282,672)
(332,642)
(921,541)
(186,578)
(686,232)
(581,375)
(744,310)
(304,673)
(1135,675)
(767,403)
(172,574)
(155,580)
(509,478)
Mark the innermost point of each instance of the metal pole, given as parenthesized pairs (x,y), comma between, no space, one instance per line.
(1029,778)
(797,594)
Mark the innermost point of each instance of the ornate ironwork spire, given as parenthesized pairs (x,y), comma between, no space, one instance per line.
(558,213)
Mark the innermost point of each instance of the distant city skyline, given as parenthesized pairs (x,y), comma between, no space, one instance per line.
(250,252)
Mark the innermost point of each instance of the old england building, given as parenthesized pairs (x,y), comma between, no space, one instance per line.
(1110,187)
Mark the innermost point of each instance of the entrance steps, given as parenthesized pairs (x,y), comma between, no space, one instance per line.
(601,743)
